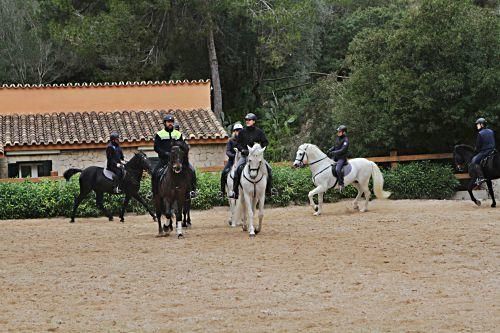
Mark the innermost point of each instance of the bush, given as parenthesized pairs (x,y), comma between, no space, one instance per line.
(421,180)
(55,198)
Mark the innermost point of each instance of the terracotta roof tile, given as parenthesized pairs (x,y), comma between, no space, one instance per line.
(103,84)
(95,127)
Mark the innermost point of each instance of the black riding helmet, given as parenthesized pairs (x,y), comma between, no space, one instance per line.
(251,116)
(342,128)
(168,117)
(114,135)
(481,121)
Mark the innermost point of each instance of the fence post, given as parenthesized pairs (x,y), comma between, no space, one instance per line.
(394,164)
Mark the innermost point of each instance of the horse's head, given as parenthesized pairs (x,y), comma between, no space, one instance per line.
(254,159)
(462,156)
(177,158)
(301,156)
(140,161)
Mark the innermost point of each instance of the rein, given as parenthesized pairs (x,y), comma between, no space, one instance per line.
(250,181)
(305,154)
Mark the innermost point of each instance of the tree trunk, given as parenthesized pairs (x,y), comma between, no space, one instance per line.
(214,71)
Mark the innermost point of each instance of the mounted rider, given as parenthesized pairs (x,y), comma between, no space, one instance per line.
(164,140)
(115,159)
(339,153)
(248,136)
(231,154)
(485,145)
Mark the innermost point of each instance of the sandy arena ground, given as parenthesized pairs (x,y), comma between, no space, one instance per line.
(404,266)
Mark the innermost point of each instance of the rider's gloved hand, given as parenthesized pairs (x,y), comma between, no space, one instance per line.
(244,152)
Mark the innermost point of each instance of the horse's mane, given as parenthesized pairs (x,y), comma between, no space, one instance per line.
(464,147)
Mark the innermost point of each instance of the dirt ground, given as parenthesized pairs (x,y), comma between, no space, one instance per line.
(404,266)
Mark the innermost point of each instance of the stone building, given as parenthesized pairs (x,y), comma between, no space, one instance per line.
(46,129)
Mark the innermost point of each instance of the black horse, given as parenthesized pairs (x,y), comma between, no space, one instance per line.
(462,155)
(93,179)
(173,188)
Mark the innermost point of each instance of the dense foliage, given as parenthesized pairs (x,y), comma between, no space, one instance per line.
(55,198)
(413,74)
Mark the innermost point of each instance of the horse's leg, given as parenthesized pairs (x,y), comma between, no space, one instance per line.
(492,193)
(469,189)
(99,200)
(320,203)
(311,197)
(187,213)
(251,205)
(261,211)
(124,208)
(355,203)
(144,204)
(158,210)
(168,214)
(78,199)
(178,220)
(366,191)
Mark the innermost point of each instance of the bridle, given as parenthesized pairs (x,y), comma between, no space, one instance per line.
(304,154)
(256,169)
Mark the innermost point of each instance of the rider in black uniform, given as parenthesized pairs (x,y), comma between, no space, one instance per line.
(247,137)
(485,145)
(115,159)
(339,153)
(230,153)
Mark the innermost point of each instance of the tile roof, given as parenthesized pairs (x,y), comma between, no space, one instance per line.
(95,127)
(103,84)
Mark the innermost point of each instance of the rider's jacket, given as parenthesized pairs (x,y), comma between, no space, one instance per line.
(485,140)
(164,140)
(231,144)
(250,135)
(114,154)
(340,148)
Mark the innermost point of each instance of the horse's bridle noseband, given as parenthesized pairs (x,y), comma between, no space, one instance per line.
(301,161)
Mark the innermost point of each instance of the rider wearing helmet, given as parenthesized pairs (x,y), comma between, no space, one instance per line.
(339,153)
(230,153)
(164,141)
(115,159)
(250,135)
(485,145)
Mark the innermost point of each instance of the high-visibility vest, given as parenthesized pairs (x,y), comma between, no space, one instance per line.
(164,135)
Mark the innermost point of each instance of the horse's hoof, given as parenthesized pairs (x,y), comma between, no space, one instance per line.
(317,214)
(316,208)
(493,205)
(122,220)
(257,231)
(110,218)
(154,219)
(180,236)
(478,203)
(363,210)
(161,234)
(72,221)
(252,235)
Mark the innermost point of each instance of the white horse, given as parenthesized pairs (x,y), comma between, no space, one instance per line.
(357,173)
(253,183)
(229,187)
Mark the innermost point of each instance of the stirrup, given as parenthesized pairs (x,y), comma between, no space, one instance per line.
(117,190)
(480,181)
(193,194)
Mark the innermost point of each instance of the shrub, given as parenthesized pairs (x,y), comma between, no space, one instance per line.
(55,198)
(421,180)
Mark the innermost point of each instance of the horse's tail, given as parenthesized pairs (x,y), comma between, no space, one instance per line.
(70,172)
(378,183)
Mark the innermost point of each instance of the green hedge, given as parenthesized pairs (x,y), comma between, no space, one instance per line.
(55,198)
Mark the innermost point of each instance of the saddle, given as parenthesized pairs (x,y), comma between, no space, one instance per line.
(488,160)
(346,169)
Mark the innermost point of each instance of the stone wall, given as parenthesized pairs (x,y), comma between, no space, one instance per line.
(206,155)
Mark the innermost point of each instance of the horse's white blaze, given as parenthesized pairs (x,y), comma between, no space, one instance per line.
(253,190)
(321,168)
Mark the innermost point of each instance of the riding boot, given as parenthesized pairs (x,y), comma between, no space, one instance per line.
(269,185)
(194,182)
(223,181)
(236,182)
(478,171)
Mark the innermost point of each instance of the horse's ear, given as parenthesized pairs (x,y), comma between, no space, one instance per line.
(263,149)
(249,148)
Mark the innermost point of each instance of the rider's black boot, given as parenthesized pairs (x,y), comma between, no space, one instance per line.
(223,181)
(269,185)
